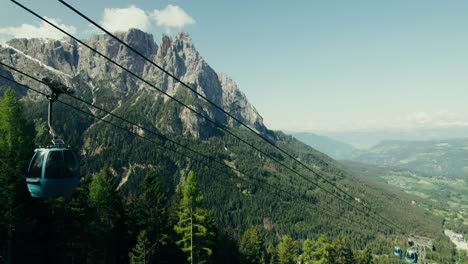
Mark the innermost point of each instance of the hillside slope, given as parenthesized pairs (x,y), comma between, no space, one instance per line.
(235,202)
(442,196)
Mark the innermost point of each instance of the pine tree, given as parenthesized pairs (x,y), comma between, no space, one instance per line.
(74,233)
(251,246)
(153,207)
(15,140)
(307,251)
(287,251)
(343,253)
(107,218)
(149,214)
(142,251)
(103,197)
(16,148)
(365,256)
(271,253)
(193,227)
(227,247)
(323,252)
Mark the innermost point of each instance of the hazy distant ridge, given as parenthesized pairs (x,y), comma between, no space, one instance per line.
(435,157)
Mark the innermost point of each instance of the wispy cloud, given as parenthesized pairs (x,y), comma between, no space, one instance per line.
(433,119)
(411,120)
(41,30)
(123,19)
(417,118)
(113,19)
(172,16)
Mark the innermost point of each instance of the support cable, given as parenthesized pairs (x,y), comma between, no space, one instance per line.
(231,116)
(279,190)
(222,127)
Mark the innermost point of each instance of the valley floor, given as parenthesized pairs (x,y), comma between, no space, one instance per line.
(460,243)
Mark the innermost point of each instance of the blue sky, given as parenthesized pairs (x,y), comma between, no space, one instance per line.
(315,65)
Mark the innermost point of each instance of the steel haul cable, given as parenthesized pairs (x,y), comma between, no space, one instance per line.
(207,100)
(222,127)
(112,114)
(132,123)
(279,190)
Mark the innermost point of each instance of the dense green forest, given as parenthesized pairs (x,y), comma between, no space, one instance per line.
(137,203)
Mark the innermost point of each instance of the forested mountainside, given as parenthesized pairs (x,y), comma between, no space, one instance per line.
(236,201)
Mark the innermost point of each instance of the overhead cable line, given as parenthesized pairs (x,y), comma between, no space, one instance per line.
(222,127)
(210,101)
(278,189)
(205,98)
(109,113)
(160,136)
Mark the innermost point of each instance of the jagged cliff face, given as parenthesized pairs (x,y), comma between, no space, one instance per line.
(97,80)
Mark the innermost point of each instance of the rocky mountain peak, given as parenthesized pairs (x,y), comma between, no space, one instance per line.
(109,85)
(141,41)
(235,102)
(179,42)
(58,54)
(183,41)
(165,45)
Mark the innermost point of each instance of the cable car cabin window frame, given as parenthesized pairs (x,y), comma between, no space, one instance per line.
(55,166)
(397,251)
(36,165)
(71,164)
(411,256)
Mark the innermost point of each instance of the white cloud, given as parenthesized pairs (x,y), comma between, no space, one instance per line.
(433,119)
(42,30)
(113,19)
(172,16)
(123,19)
(418,118)
(410,120)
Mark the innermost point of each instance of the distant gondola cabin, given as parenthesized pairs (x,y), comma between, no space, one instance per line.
(397,251)
(411,256)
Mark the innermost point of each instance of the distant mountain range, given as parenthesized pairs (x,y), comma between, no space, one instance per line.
(334,148)
(364,139)
(434,157)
